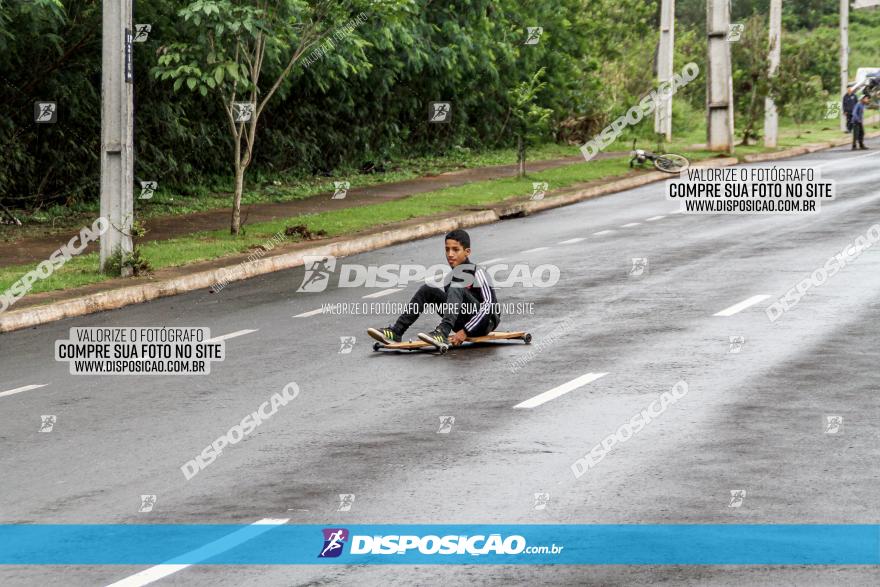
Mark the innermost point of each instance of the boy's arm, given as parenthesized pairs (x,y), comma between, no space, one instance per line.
(486,305)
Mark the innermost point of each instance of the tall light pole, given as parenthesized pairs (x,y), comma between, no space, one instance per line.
(117,127)
(771,117)
(844,54)
(719,82)
(663,113)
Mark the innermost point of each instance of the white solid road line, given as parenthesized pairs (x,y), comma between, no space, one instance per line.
(535,250)
(558,391)
(742,305)
(211,549)
(232,335)
(848,159)
(384,292)
(490,261)
(601,232)
(653,218)
(631,224)
(21,389)
(309,313)
(571,241)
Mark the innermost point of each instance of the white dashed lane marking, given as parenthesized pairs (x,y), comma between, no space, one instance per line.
(309,313)
(535,250)
(545,397)
(653,218)
(21,389)
(384,292)
(205,552)
(490,261)
(231,335)
(736,308)
(601,232)
(571,241)
(631,224)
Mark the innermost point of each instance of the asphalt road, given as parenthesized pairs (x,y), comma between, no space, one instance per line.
(367,423)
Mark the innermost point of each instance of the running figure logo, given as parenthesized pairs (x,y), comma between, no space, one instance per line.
(334,540)
(147,189)
(147,503)
(346,344)
(243,111)
(446,423)
(539,188)
(735,31)
(833,424)
(346,500)
(318,270)
(541,501)
(45,112)
(141,32)
(440,112)
(47,423)
(736,344)
(341,189)
(736,498)
(533,35)
(639,266)
(832,109)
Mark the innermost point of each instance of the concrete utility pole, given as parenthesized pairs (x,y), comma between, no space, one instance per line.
(663,113)
(719,81)
(844,55)
(117,127)
(771,117)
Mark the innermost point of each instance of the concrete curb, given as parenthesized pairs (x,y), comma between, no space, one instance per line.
(795,151)
(118,298)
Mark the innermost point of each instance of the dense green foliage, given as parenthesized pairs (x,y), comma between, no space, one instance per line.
(364,104)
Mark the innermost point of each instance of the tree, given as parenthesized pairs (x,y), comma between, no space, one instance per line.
(528,118)
(750,75)
(232,47)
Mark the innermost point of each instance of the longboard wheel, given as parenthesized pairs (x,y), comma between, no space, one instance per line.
(527,338)
(376,346)
(443,348)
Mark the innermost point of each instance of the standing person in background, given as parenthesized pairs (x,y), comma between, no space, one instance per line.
(858,123)
(849,102)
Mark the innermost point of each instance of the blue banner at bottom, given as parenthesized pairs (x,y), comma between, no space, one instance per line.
(276,542)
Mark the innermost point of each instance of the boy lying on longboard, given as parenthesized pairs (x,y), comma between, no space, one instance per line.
(466,291)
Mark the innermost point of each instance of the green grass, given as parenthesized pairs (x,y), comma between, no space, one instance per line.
(216,244)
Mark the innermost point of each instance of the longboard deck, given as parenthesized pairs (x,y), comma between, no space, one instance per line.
(413,345)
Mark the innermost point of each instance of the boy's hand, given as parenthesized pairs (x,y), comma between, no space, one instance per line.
(457,337)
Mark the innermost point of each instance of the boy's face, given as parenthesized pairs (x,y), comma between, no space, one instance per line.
(455,253)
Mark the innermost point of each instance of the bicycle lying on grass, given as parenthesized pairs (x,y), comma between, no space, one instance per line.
(667,162)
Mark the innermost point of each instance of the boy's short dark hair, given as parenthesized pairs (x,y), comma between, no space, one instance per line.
(461,236)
